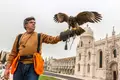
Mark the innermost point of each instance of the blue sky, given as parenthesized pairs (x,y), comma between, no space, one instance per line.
(13,12)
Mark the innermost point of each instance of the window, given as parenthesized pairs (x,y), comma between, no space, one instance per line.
(78,67)
(114,53)
(89,55)
(81,44)
(88,68)
(100,63)
(89,42)
(79,56)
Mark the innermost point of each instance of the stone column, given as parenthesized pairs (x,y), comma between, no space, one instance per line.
(83,63)
(92,66)
(119,70)
(93,57)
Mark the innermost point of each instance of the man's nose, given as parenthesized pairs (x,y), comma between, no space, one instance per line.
(33,23)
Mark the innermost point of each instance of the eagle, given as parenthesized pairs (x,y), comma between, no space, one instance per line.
(80,19)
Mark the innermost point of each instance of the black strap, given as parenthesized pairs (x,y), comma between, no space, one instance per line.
(38,47)
(17,46)
(25,57)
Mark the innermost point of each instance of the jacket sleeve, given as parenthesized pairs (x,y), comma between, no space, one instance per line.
(50,39)
(13,53)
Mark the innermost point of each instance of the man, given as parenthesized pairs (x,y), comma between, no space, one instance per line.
(28,47)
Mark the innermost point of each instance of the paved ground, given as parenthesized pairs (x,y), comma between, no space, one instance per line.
(61,76)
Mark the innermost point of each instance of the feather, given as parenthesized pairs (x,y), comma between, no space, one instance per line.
(61,17)
(80,19)
(86,16)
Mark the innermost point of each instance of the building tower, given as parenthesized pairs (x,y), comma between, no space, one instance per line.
(84,57)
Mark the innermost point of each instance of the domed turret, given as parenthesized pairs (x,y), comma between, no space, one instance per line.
(88,32)
(87,38)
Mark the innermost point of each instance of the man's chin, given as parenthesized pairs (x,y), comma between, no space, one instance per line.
(33,29)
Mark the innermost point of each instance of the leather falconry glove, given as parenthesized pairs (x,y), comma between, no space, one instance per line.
(70,33)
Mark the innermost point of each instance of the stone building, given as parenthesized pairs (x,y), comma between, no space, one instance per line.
(3,56)
(63,65)
(100,59)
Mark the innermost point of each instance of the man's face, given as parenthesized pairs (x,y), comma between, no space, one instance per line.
(30,26)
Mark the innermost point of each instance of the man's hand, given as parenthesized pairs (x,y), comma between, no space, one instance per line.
(70,33)
(66,34)
(6,73)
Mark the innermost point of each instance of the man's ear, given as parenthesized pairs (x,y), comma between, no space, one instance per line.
(25,26)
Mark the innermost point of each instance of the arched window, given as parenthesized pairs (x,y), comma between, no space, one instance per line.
(77,46)
(89,55)
(81,44)
(88,68)
(100,60)
(114,53)
(89,42)
(79,56)
(78,67)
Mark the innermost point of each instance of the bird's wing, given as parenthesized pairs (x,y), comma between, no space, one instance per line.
(61,17)
(86,16)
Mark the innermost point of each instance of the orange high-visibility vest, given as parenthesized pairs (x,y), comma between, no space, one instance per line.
(38,60)
(15,64)
(38,64)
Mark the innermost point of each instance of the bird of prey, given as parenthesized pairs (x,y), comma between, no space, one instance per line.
(80,19)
